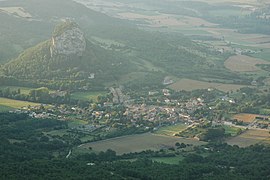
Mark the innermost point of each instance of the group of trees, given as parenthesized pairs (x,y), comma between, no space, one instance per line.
(255,22)
(41,95)
(29,141)
(27,152)
(36,63)
(213,134)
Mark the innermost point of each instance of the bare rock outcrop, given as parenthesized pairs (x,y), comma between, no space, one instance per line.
(68,40)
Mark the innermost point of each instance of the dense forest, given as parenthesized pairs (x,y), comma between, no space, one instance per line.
(255,22)
(132,58)
(26,152)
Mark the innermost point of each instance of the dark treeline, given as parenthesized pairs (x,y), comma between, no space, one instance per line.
(43,95)
(40,95)
(71,85)
(27,152)
(255,22)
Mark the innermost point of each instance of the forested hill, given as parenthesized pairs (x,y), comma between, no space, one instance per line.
(20,33)
(67,55)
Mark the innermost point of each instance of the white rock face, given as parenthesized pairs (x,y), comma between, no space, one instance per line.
(70,42)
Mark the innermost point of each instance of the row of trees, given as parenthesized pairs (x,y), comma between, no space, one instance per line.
(41,95)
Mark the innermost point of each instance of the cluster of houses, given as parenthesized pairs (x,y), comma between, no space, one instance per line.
(44,111)
(228,99)
(240,51)
(171,111)
(181,111)
(87,128)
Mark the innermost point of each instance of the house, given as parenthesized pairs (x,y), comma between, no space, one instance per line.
(167,80)
(167,101)
(165,90)
(92,76)
(254,83)
(151,93)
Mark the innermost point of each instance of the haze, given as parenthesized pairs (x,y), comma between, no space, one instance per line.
(146,89)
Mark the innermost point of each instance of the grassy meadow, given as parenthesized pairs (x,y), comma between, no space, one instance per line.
(87,95)
(246,118)
(231,130)
(171,130)
(265,55)
(168,160)
(137,143)
(250,137)
(189,85)
(241,63)
(24,90)
(11,103)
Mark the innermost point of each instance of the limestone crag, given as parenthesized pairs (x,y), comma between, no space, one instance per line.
(70,42)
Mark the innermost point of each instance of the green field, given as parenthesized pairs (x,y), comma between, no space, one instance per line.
(107,42)
(11,103)
(231,130)
(75,123)
(91,95)
(265,111)
(24,90)
(192,132)
(61,132)
(265,55)
(171,130)
(194,31)
(229,12)
(87,138)
(243,46)
(138,142)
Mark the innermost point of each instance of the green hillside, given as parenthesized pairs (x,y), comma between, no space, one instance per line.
(139,51)
(22,33)
(37,63)
(151,53)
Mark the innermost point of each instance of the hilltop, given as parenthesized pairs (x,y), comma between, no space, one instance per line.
(32,22)
(66,55)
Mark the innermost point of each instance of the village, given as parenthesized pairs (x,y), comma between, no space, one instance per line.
(158,108)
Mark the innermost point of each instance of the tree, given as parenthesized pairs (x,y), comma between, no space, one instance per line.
(213,134)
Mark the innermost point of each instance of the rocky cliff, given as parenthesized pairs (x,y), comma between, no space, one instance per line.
(67,40)
(67,55)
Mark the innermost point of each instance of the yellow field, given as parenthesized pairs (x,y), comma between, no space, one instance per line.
(166,20)
(252,40)
(255,2)
(138,142)
(16,103)
(189,85)
(259,40)
(24,90)
(241,63)
(250,137)
(17,11)
(247,118)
